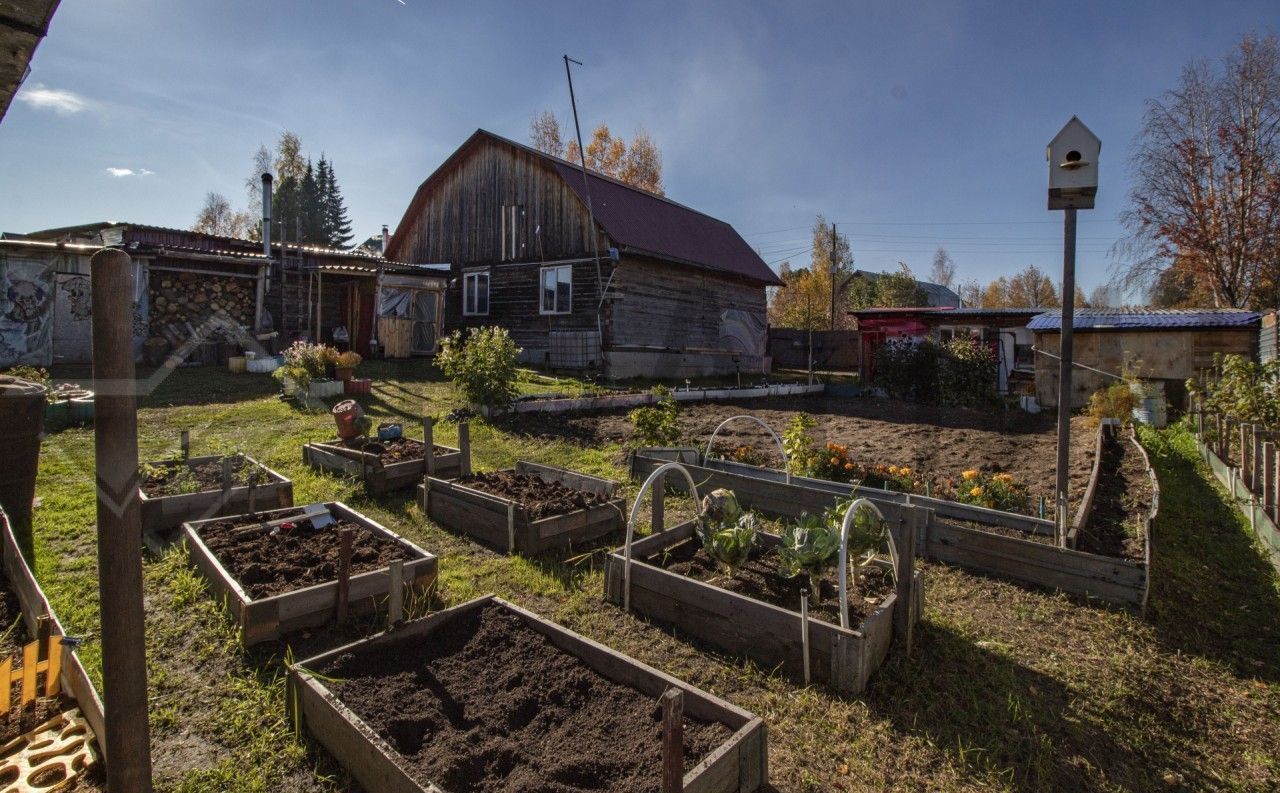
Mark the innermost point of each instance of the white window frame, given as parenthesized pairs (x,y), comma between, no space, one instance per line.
(469,280)
(556,309)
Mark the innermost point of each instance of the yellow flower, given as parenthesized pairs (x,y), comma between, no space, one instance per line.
(848,466)
(905,470)
(1006,478)
(976,492)
(969,475)
(834,461)
(893,469)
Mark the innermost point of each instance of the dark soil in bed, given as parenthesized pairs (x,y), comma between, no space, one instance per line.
(14,637)
(1121,501)
(759,579)
(540,498)
(293,556)
(398,450)
(486,704)
(179,479)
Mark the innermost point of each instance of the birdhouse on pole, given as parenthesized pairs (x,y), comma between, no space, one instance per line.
(1073,166)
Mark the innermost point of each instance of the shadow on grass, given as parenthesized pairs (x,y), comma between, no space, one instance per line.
(1213,592)
(997,719)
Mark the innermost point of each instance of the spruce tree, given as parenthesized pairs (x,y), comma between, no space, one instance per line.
(312,208)
(337,223)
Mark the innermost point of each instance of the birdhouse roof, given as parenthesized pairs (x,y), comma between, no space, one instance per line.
(1073,124)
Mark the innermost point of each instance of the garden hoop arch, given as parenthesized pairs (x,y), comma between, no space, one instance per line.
(843,572)
(786,467)
(631,521)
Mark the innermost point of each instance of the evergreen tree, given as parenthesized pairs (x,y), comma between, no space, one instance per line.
(312,209)
(337,223)
(286,204)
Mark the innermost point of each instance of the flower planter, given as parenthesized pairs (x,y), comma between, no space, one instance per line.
(843,658)
(376,741)
(161,514)
(382,475)
(358,385)
(508,524)
(343,373)
(264,617)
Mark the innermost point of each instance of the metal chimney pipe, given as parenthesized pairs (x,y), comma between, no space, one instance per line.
(386,239)
(266,215)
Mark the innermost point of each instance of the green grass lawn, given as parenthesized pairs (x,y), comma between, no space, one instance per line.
(1007,688)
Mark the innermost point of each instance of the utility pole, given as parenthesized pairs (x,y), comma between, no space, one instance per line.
(833,276)
(1073,184)
(591,217)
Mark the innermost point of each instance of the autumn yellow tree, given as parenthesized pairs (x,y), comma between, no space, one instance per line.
(638,164)
(805,301)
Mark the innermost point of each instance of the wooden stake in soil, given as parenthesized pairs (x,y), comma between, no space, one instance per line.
(1255,470)
(395,595)
(185,440)
(464,447)
(429,444)
(226,472)
(127,743)
(673,741)
(345,538)
(903,610)
(1268,476)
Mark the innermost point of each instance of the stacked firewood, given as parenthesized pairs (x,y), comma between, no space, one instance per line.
(187,299)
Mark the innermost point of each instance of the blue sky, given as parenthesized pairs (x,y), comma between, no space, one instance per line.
(912,125)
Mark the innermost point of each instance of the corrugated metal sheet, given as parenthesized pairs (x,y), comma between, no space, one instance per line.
(937,294)
(1115,318)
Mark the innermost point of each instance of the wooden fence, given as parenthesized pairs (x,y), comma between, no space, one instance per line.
(1245,459)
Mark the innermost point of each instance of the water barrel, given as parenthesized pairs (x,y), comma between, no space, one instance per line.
(21,425)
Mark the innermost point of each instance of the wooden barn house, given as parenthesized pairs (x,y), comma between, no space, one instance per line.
(672,293)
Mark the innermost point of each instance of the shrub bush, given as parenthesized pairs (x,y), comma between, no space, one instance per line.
(966,374)
(657,425)
(1116,401)
(1245,391)
(908,368)
(482,366)
(304,362)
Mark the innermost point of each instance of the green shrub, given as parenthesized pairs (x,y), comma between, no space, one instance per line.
(657,425)
(304,362)
(966,374)
(1245,391)
(801,448)
(483,366)
(908,368)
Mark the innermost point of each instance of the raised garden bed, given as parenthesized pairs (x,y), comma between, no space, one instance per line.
(757,614)
(1119,501)
(557,404)
(278,579)
(489,697)
(57,673)
(529,509)
(384,466)
(987,541)
(174,492)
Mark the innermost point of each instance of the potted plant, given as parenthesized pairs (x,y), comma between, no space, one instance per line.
(304,363)
(344,364)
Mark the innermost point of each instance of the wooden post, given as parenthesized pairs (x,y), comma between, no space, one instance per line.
(673,741)
(905,608)
(1217,432)
(395,597)
(1274,481)
(127,743)
(429,443)
(464,447)
(226,472)
(1268,476)
(345,538)
(253,494)
(1255,470)
(1244,451)
(658,496)
(185,440)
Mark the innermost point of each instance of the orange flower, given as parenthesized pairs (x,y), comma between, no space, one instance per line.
(976,492)
(848,466)
(834,461)
(969,475)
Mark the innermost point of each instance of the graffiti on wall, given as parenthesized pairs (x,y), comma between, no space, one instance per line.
(743,331)
(26,322)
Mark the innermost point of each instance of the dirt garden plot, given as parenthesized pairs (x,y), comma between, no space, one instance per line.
(489,698)
(1121,501)
(387,465)
(176,491)
(284,576)
(528,509)
(942,441)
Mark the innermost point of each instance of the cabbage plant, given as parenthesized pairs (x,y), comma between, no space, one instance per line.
(726,531)
(811,545)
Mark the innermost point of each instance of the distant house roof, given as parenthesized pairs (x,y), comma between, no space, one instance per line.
(143,238)
(945,314)
(938,295)
(639,221)
(1151,318)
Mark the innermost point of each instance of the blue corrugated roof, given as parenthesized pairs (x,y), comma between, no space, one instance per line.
(1118,318)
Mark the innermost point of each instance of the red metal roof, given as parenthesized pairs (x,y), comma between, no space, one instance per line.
(639,221)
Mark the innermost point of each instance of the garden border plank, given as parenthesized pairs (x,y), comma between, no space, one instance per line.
(163,513)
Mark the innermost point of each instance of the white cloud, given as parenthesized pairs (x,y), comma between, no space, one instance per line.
(62,102)
(123,172)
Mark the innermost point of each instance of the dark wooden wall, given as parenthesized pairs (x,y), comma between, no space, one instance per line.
(660,304)
(460,221)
